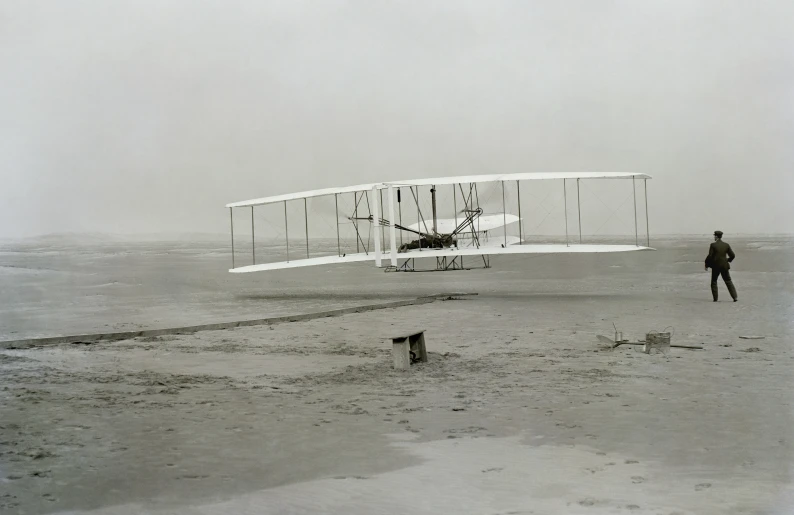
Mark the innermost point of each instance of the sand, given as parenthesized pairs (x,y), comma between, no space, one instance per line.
(519,409)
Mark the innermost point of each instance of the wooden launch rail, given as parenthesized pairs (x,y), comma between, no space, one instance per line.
(126,335)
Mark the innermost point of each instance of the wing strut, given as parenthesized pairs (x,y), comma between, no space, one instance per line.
(306,218)
(355,225)
(286,229)
(520,229)
(418,211)
(634,194)
(565,196)
(400,209)
(355,213)
(504,212)
(468,205)
(231,219)
(336,208)
(392,229)
(376,230)
(647,226)
(579,210)
(433,199)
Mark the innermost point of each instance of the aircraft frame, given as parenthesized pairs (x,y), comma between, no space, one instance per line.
(437,238)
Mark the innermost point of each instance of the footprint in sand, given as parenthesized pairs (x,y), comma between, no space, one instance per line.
(637,479)
(702,486)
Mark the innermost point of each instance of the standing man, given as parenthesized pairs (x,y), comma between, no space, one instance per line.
(719,260)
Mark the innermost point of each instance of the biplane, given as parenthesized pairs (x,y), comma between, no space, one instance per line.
(395,224)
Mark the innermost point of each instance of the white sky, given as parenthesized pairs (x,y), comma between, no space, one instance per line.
(149,115)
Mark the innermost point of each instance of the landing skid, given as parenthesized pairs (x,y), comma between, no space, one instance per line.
(443,264)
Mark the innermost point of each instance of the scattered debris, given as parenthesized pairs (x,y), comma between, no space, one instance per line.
(618,334)
(657,341)
(609,344)
(752,349)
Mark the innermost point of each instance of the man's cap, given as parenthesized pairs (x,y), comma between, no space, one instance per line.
(718,234)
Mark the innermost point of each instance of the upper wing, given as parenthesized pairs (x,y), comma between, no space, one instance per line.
(306,194)
(463,179)
(468,179)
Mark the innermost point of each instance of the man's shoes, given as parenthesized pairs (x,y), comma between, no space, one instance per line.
(736,300)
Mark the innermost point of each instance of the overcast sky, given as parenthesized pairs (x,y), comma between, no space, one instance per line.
(150,115)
